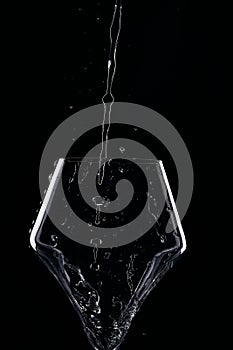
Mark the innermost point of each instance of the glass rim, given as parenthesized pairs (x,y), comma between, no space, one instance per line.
(97,160)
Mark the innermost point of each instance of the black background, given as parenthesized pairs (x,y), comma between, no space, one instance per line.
(169,58)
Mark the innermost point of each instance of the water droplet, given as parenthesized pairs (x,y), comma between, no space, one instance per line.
(54,240)
(98,200)
(107,255)
(64,222)
(95,267)
(96,241)
(99,284)
(71,179)
(162,239)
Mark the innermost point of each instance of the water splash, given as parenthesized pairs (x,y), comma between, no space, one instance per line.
(108,96)
(130,272)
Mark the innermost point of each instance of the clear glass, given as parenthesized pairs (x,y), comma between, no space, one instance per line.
(108,244)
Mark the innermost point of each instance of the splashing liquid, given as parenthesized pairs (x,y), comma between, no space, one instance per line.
(108,96)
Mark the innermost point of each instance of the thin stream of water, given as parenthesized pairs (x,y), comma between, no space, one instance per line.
(108,96)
